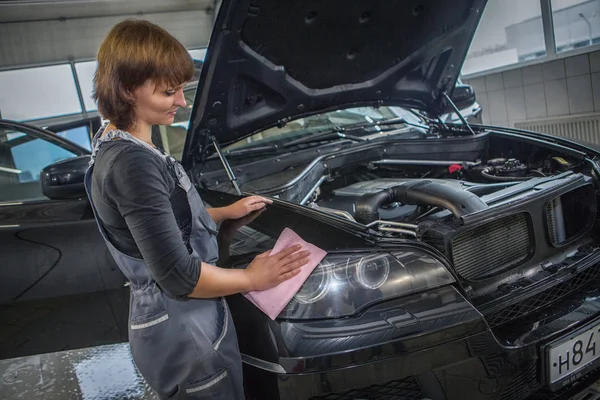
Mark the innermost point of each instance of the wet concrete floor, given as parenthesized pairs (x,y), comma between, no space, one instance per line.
(64,323)
(99,373)
(73,347)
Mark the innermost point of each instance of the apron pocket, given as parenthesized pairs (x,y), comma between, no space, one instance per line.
(148,307)
(217,343)
(216,386)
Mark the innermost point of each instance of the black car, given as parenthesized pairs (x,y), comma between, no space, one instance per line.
(463,260)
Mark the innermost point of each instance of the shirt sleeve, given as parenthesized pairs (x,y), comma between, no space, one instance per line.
(139,185)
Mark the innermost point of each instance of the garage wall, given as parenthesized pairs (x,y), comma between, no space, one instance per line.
(563,87)
(60,31)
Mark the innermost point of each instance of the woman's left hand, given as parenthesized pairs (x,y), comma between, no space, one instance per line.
(245,206)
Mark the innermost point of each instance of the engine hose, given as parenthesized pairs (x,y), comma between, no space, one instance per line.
(485,173)
(423,192)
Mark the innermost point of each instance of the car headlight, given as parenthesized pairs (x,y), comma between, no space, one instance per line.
(343,284)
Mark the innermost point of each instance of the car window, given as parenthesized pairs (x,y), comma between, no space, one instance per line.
(22,158)
(79,135)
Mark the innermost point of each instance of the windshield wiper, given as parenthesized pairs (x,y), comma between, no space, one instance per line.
(339,132)
(249,150)
(331,134)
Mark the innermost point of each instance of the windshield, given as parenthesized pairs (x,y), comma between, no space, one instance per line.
(307,126)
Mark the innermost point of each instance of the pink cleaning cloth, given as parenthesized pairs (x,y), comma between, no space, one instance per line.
(273,300)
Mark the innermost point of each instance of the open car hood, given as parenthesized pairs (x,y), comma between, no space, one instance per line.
(271,61)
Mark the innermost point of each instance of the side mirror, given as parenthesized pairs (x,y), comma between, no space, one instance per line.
(64,179)
(463,96)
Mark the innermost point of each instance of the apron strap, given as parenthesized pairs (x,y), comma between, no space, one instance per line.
(175,167)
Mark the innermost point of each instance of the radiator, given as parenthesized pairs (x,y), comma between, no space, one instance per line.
(581,127)
(492,248)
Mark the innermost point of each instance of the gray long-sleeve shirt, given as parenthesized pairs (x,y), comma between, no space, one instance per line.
(145,213)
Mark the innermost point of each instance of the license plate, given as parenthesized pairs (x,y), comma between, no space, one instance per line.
(569,357)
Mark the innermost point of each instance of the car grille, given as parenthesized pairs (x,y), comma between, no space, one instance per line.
(404,389)
(551,222)
(522,384)
(491,248)
(579,206)
(590,276)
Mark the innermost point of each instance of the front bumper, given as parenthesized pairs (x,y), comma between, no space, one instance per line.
(446,352)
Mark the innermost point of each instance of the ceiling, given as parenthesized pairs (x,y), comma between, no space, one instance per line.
(40,32)
(15,11)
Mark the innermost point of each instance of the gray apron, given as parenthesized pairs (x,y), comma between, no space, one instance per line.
(184,349)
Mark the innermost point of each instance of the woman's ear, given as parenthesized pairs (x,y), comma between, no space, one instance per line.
(129,96)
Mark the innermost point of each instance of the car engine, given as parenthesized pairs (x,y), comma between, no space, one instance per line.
(502,206)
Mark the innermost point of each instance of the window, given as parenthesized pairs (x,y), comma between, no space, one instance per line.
(509,32)
(85,75)
(198,54)
(576,23)
(35,93)
(22,158)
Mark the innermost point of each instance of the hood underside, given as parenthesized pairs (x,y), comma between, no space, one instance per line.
(271,61)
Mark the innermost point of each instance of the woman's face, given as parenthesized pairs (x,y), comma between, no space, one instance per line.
(157,104)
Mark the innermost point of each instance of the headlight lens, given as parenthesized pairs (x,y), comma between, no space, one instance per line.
(343,284)
(315,287)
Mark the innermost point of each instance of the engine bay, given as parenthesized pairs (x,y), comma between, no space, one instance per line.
(488,216)
(493,205)
(430,188)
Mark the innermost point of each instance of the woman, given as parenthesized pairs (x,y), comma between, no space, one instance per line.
(155,225)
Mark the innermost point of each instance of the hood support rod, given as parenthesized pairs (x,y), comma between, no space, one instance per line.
(457,111)
(226,165)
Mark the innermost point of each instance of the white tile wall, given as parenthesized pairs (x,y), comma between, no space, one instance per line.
(513,79)
(595,61)
(494,82)
(581,99)
(497,105)
(515,104)
(563,87)
(596,90)
(578,65)
(557,101)
(532,74)
(554,70)
(535,100)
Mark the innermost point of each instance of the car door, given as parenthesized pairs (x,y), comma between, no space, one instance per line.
(49,248)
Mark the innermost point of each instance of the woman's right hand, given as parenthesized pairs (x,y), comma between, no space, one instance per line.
(267,271)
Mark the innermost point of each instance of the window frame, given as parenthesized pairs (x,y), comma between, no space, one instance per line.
(549,40)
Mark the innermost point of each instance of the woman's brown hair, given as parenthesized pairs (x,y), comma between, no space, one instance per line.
(133,52)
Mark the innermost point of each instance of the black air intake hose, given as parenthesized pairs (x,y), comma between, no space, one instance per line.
(427,193)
